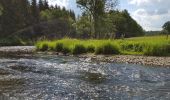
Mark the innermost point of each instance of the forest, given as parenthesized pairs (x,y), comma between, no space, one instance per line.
(23,22)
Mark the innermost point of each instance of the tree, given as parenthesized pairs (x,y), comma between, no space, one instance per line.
(83,27)
(96,9)
(72,14)
(125,24)
(34,11)
(15,15)
(46,6)
(166,27)
(1,9)
(41,5)
(132,28)
(24,11)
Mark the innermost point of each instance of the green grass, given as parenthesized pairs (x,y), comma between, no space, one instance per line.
(150,46)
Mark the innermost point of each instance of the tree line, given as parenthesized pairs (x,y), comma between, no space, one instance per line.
(31,15)
(101,20)
(36,19)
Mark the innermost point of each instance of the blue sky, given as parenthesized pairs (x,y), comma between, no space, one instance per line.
(150,14)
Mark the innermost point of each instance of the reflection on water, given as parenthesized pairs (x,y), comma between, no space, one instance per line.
(59,78)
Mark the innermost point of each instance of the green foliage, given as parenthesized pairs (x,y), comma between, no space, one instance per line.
(166,26)
(91,48)
(96,10)
(66,50)
(107,48)
(132,46)
(1,9)
(110,25)
(125,24)
(157,49)
(36,18)
(15,16)
(11,42)
(59,47)
(83,27)
(152,46)
(79,49)
(44,47)
(34,11)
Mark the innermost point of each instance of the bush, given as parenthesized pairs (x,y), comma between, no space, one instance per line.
(99,50)
(138,47)
(107,48)
(44,47)
(132,46)
(51,48)
(90,49)
(156,50)
(59,47)
(66,50)
(79,49)
(154,46)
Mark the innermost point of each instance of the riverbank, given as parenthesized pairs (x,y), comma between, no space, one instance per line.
(131,59)
(147,46)
(17,50)
(128,59)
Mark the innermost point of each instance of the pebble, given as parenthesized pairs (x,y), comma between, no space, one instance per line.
(130,59)
(17,49)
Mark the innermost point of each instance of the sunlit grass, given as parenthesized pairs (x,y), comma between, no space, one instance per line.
(152,46)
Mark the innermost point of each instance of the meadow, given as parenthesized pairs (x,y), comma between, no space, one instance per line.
(149,46)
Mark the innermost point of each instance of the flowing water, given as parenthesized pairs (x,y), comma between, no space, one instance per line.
(50,77)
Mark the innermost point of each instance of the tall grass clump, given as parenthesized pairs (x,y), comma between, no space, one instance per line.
(59,47)
(150,46)
(132,46)
(66,50)
(90,49)
(43,47)
(79,49)
(158,49)
(107,48)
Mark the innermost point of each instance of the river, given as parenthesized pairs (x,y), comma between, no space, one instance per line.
(52,77)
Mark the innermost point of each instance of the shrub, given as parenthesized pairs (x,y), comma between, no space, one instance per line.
(44,47)
(79,49)
(59,47)
(107,48)
(168,48)
(138,47)
(66,50)
(91,49)
(132,46)
(50,48)
(99,50)
(156,50)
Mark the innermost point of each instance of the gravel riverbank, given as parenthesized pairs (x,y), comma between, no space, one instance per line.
(130,59)
(17,50)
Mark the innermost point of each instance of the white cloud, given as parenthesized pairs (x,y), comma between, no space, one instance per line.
(150,22)
(149,2)
(138,2)
(151,14)
(61,3)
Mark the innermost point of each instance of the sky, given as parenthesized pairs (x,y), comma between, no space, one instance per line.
(150,14)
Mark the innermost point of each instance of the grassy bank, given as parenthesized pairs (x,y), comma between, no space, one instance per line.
(151,46)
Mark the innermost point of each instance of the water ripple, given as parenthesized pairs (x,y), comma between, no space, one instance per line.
(58,78)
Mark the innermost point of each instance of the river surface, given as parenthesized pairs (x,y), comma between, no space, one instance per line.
(50,77)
